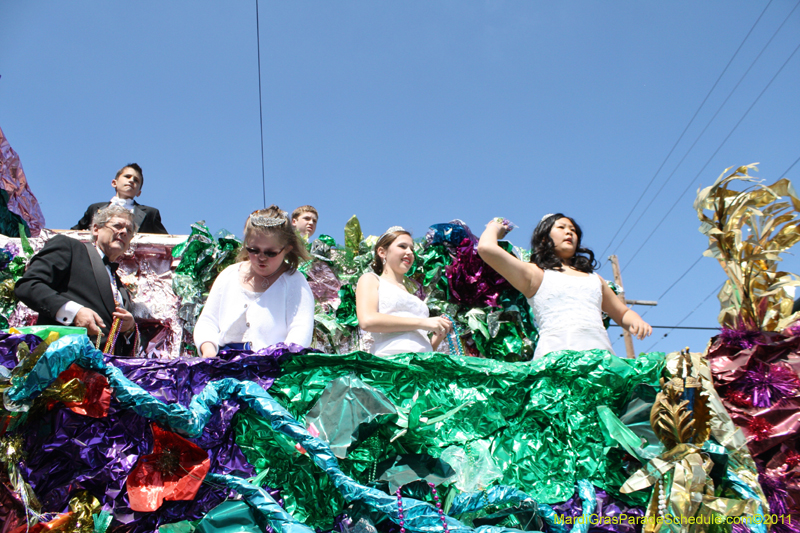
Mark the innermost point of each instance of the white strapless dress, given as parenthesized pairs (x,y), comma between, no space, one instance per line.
(392,300)
(568,313)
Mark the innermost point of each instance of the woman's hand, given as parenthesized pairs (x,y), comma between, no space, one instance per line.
(500,229)
(439,325)
(440,333)
(207,349)
(637,326)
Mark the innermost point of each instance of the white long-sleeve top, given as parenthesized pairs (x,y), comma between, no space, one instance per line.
(282,313)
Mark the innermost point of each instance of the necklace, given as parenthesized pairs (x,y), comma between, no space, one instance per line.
(401,515)
(266,281)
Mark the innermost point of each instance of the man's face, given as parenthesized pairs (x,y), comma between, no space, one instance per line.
(114,238)
(128,184)
(305,224)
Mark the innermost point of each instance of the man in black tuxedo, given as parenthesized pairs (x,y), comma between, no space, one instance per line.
(128,183)
(73,283)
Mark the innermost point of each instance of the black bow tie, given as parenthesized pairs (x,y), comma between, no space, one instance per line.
(110,264)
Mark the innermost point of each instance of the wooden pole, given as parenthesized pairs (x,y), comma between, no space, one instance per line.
(618,281)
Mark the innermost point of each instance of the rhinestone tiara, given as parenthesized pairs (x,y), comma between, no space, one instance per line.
(268,222)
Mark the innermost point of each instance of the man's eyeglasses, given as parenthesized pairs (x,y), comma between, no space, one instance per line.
(266,253)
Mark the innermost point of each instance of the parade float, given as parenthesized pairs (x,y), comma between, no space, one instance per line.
(478,437)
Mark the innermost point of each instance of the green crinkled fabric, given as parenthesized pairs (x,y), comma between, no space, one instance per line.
(539,419)
(202,258)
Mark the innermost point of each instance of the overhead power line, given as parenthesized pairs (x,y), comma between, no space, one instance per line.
(712,293)
(260,111)
(790,168)
(713,155)
(684,131)
(730,94)
(675,327)
(676,282)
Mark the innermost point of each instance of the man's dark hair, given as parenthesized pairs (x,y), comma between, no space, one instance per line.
(135,167)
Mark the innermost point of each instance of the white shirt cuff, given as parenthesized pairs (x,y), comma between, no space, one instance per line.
(66,315)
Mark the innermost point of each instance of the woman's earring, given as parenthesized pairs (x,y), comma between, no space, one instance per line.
(383,261)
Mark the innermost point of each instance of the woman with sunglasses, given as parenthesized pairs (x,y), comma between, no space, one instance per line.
(262,299)
(398,321)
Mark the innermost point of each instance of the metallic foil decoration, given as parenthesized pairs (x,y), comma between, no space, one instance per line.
(420,516)
(747,232)
(756,379)
(173,471)
(353,235)
(12,179)
(94,394)
(348,412)
(683,417)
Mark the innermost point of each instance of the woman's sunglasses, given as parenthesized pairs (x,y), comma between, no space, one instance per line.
(266,253)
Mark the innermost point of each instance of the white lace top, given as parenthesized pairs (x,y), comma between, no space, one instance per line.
(568,313)
(393,300)
(282,313)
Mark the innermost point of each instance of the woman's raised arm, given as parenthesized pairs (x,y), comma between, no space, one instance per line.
(525,277)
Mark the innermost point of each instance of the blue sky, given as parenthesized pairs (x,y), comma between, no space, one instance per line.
(413,113)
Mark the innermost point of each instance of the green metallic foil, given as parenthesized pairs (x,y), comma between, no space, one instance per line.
(538,418)
(346,313)
(353,235)
(229,517)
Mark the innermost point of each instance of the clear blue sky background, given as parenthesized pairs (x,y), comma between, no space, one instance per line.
(413,113)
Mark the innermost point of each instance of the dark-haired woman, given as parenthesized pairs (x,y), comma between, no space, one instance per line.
(566,296)
(261,300)
(398,321)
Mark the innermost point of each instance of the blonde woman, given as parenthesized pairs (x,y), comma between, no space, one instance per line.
(262,299)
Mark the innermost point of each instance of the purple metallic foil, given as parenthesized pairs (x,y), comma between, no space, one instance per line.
(9,344)
(472,281)
(741,337)
(324,284)
(606,507)
(767,383)
(79,452)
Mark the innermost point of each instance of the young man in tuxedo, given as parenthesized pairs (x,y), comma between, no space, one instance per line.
(71,283)
(128,184)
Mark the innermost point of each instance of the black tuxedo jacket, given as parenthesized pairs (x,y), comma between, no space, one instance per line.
(67,269)
(147,219)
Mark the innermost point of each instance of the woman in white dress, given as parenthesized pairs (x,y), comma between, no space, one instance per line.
(398,321)
(566,296)
(261,300)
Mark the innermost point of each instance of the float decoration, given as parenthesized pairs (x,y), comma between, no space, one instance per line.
(747,232)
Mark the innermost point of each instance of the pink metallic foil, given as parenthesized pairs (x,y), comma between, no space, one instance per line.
(12,178)
(324,284)
(146,272)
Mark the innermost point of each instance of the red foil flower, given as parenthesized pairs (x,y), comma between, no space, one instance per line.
(792,459)
(97,400)
(759,428)
(174,471)
(738,398)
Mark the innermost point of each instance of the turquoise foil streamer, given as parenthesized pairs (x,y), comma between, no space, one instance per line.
(262,502)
